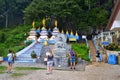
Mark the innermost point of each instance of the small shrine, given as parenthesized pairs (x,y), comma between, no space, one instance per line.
(43,33)
(32,33)
(54,34)
(55,31)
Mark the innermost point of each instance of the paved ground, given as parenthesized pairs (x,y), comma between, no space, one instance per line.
(93,71)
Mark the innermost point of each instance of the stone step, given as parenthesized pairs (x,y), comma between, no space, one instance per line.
(92,50)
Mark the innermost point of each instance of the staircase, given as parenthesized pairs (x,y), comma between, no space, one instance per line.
(25,54)
(92,50)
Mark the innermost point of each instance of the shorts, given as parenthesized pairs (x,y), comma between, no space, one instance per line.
(10,62)
(72,59)
(97,59)
(49,63)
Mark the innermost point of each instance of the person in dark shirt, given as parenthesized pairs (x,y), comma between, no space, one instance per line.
(49,62)
(97,56)
(72,59)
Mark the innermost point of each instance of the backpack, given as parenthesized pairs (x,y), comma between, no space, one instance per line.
(98,54)
(13,59)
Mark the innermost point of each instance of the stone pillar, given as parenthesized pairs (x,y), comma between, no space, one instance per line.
(104,56)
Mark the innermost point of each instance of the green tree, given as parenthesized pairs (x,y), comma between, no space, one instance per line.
(11,11)
(80,14)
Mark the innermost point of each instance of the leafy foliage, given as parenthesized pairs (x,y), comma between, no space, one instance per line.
(13,38)
(80,14)
(14,10)
(29,68)
(17,74)
(2,69)
(33,54)
(71,14)
(81,50)
(113,47)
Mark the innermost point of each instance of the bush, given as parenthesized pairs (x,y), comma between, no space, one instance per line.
(112,46)
(28,42)
(3,50)
(17,48)
(81,51)
(33,54)
(12,37)
(2,37)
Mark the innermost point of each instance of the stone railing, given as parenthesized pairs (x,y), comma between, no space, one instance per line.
(1,59)
(113,52)
(95,44)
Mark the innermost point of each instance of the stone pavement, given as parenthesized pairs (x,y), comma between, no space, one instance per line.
(94,71)
(79,67)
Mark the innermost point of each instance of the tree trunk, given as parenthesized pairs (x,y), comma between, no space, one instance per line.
(6,21)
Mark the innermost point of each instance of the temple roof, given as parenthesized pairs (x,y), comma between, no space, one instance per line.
(116,29)
(116,24)
(115,16)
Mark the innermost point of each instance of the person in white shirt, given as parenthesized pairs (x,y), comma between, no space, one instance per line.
(10,61)
(49,56)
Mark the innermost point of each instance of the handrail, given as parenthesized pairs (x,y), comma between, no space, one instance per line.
(25,49)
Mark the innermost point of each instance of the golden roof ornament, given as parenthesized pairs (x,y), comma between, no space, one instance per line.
(62,31)
(67,32)
(55,23)
(43,28)
(71,33)
(45,43)
(38,28)
(33,24)
(76,33)
(43,22)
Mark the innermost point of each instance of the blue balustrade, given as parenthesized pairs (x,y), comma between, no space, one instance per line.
(38,31)
(101,57)
(5,59)
(95,44)
(42,40)
(68,35)
(51,41)
(72,38)
(77,37)
(49,31)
